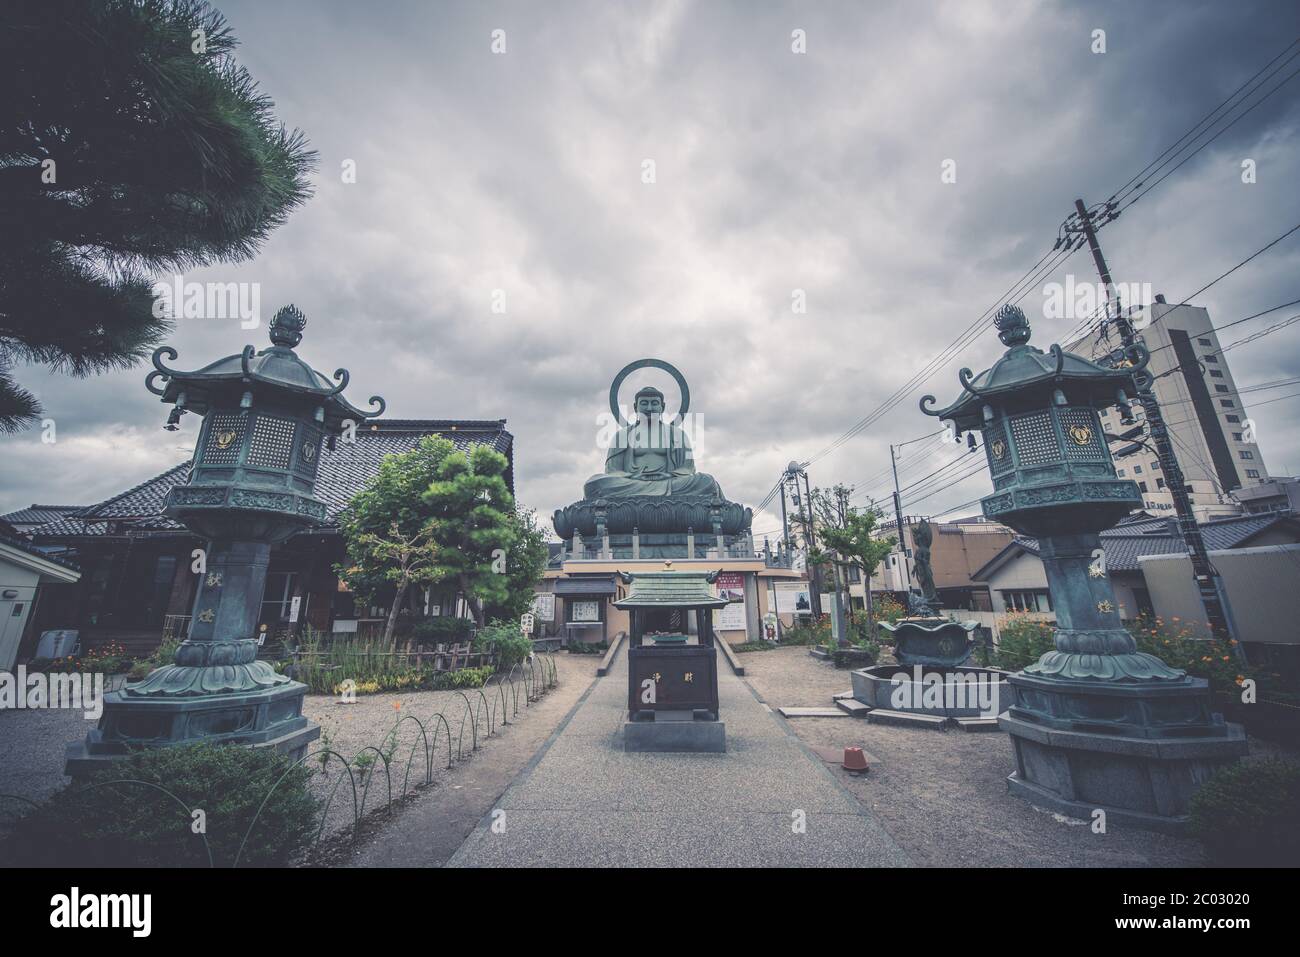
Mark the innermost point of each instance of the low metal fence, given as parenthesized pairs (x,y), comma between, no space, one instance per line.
(423,742)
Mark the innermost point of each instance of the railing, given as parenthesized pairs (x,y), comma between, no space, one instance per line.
(176,627)
(442,657)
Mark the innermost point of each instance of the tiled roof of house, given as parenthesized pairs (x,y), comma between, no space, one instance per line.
(343,473)
(40,514)
(23,545)
(1142,536)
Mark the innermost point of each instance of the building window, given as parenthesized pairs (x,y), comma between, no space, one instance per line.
(1227,403)
(1205,342)
(1120,473)
(1142,486)
(1160,483)
(1246,453)
(278,597)
(1036,599)
(1236,436)
(1221,388)
(1233,418)
(1216,374)
(1137,470)
(1155,466)
(1209,358)
(1252,473)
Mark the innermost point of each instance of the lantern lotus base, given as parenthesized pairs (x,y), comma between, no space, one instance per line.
(263,718)
(1133,666)
(1136,750)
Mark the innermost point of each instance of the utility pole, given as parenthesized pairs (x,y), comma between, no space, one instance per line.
(793,472)
(898,517)
(1207,578)
(785,525)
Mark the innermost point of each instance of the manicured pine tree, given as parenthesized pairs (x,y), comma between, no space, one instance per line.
(130,142)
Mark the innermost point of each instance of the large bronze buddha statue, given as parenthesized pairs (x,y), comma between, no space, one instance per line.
(650,484)
(651,457)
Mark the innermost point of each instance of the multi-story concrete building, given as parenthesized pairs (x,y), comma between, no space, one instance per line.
(1207,418)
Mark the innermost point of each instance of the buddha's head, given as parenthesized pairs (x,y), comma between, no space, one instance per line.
(649,402)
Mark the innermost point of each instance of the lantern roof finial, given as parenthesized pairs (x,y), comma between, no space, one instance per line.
(286,326)
(1013,327)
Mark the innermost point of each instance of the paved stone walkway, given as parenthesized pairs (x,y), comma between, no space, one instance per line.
(584,802)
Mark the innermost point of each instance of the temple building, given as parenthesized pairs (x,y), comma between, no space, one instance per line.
(136,586)
(651,509)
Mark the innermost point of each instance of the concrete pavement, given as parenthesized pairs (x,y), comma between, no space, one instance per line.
(768,801)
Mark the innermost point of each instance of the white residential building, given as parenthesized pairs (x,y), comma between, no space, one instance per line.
(1207,419)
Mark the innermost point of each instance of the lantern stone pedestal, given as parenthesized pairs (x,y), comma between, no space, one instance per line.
(1095,723)
(265,417)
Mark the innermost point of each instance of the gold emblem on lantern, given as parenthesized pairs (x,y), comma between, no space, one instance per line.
(999,449)
(308,451)
(1081,434)
(224,438)
(1105,607)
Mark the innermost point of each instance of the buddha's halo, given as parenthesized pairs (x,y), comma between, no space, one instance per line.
(684,390)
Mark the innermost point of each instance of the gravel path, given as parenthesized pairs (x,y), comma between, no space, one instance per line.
(943,795)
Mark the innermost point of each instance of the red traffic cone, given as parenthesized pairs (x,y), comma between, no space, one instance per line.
(854,760)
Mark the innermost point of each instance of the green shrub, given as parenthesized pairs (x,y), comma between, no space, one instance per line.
(808,632)
(463,678)
(1246,814)
(587,647)
(754,646)
(164,654)
(135,825)
(1174,643)
(510,645)
(442,629)
(1022,641)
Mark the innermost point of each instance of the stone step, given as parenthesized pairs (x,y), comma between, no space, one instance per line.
(852,707)
(977,724)
(885,716)
(811,713)
(842,694)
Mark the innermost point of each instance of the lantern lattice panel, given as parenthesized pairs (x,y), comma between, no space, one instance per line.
(308,452)
(1082,436)
(272,442)
(225,438)
(997,449)
(1035,439)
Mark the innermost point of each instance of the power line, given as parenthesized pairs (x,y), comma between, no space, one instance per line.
(963,340)
(1142,172)
(1225,129)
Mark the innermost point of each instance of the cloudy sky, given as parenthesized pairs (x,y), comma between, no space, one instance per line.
(774,171)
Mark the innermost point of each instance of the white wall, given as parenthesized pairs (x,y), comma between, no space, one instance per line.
(17,590)
(1262,584)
